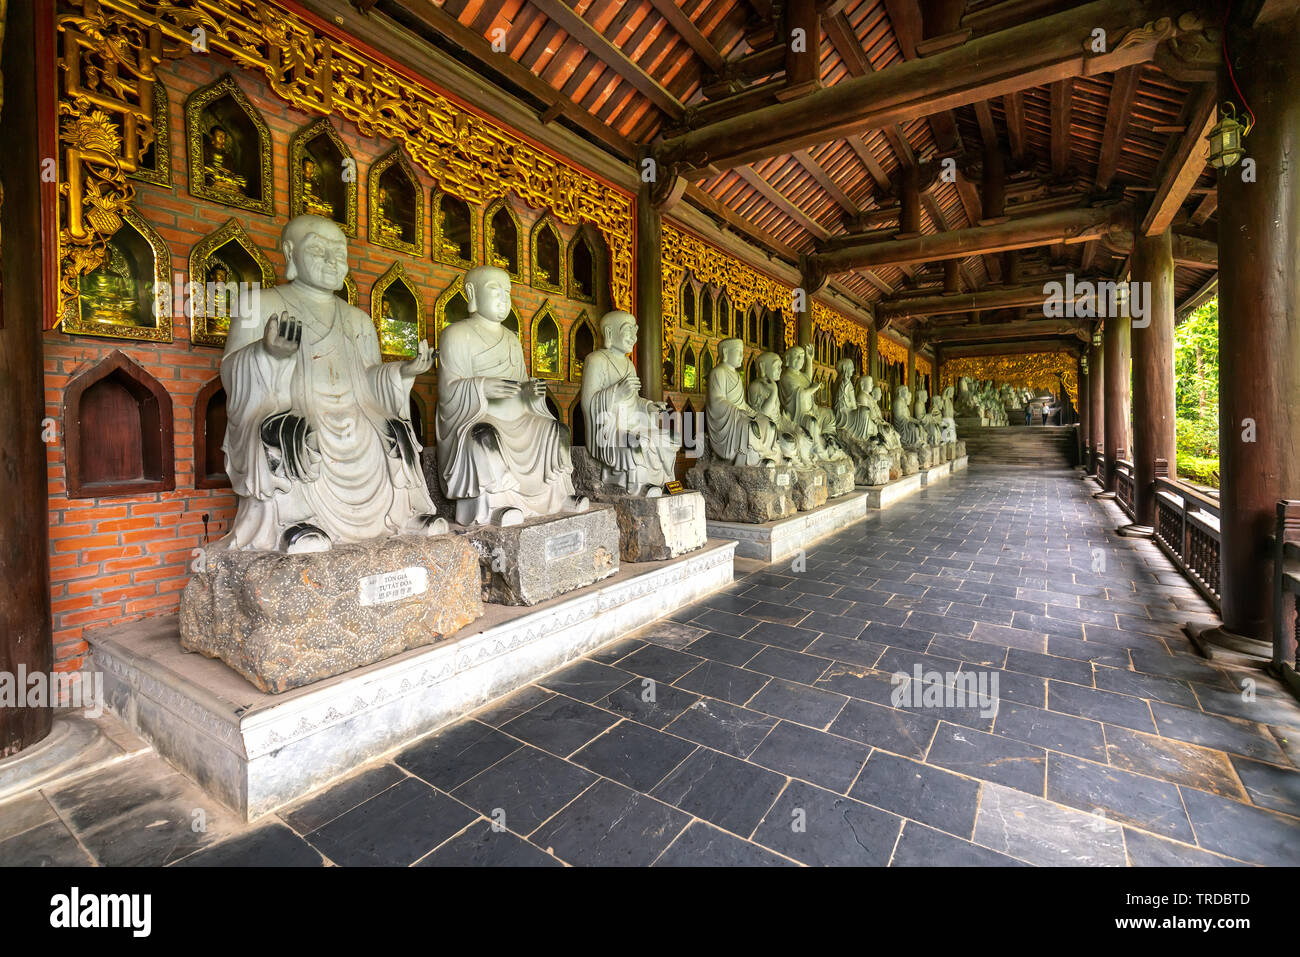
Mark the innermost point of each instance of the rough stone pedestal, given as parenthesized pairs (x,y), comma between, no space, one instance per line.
(909,463)
(546,556)
(810,490)
(877,470)
(283,621)
(840,476)
(744,493)
(649,529)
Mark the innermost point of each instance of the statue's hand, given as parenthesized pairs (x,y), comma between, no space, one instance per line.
(631,387)
(282,336)
(501,388)
(422,362)
(536,387)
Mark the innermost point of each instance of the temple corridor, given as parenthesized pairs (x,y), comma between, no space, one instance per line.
(759,725)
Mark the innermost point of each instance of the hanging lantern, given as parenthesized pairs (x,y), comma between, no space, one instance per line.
(1225,139)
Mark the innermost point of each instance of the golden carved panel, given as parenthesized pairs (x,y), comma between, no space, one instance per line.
(842,329)
(891,351)
(109,50)
(1034,370)
(683,252)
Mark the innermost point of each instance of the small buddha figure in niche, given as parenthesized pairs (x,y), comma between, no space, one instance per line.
(312,201)
(217,170)
(386,223)
(320,447)
(220,294)
(502,456)
(624,430)
(107,293)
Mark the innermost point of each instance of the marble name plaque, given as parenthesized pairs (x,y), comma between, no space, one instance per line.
(564,545)
(783,478)
(683,513)
(817,479)
(393,586)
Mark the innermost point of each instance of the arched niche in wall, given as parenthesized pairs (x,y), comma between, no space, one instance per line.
(750,370)
(210,435)
(127,296)
(706,311)
(547,256)
(583,345)
(690,310)
(117,426)
(395,204)
(588,266)
(455,231)
(690,369)
(452,306)
(512,321)
(231,154)
(155,163)
(577,424)
(504,239)
(398,314)
(706,366)
(231,267)
(670,372)
(322,175)
(547,345)
(751,326)
(724,315)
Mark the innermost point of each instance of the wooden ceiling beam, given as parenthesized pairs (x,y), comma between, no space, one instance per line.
(1062,101)
(690,33)
(824,180)
(773,196)
(1183,164)
(983,300)
(1013,107)
(978,333)
(1034,53)
(1123,91)
(575,26)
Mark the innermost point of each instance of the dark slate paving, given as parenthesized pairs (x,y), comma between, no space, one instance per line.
(781,721)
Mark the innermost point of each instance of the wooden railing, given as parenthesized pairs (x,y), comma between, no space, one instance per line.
(1286,594)
(1187,529)
(1124,485)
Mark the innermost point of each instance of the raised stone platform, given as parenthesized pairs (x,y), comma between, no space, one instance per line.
(254,751)
(883,496)
(935,473)
(546,556)
(773,541)
(960,462)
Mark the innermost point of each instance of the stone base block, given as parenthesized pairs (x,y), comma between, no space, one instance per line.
(960,462)
(810,489)
(773,541)
(840,477)
(909,463)
(283,621)
(547,556)
(883,496)
(744,493)
(935,473)
(255,752)
(654,529)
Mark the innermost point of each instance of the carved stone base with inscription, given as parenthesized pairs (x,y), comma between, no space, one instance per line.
(810,489)
(283,621)
(547,556)
(840,475)
(744,493)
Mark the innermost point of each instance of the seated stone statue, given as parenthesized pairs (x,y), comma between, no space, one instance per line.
(929,424)
(502,456)
(798,392)
(869,399)
(765,399)
(946,421)
(909,430)
(319,443)
(850,417)
(737,433)
(623,429)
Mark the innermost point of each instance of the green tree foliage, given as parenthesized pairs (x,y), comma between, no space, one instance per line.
(1196,374)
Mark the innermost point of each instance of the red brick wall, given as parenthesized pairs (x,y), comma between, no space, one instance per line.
(120,558)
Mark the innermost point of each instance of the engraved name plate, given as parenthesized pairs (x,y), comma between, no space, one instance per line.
(393,586)
(817,479)
(783,478)
(564,545)
(682,513)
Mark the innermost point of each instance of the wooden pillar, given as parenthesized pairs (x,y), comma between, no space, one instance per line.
(951,277)
(25,637)
(1115,341)
(1084,371)
(873,352)
(802,73)
(649,296)
(909,200)
(1153,374)
(1259,337)
(910,374)
(1096,402)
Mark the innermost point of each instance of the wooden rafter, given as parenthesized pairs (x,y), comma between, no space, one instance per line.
(689,32)
(1183,165)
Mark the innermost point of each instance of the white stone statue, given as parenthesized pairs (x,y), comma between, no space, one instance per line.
(928,423)
(502,456)
(869,399)
(737,433)
(319,444)
(624,430)
(947,422)
(909,430)
(798,392)
(850,417)
(765,398)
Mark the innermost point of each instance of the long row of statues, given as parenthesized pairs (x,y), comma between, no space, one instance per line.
(320,448)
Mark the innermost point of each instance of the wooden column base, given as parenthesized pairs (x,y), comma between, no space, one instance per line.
(1216,642)
(1104,495)
(1134,530)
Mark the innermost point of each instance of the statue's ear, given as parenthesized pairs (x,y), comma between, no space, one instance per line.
(469,298)
(290,269)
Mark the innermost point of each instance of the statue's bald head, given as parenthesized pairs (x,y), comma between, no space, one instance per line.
(487,291)
(794,357)
(845,367)
(614,320)
(315,250)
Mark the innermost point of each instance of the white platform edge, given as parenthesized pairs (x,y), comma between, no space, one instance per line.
(883,496)
(773,541)
(273,754)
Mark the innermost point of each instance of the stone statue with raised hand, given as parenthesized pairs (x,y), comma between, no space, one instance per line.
(850,417)
(737,433)
(765,399)
(502,456)
(799,393)
(320,448)
(624,430)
